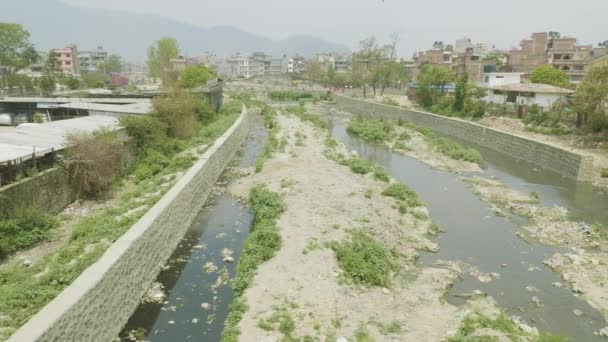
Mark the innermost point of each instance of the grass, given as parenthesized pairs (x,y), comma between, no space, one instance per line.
(600,231)
(375,130)
(604,172)
(301,113)
(261,245)
(406,197)
(289,95)
(380,130)
(365,261)
(25,228)
(362,335)
(504,324)
(272,143)
(24,291)
(393,327)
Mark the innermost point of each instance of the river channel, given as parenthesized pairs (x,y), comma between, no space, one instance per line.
(473,234)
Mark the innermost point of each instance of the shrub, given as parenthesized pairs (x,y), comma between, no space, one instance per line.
(182,111)
(289,95)
(604,172)
(361,166)
(406,197)
(365,261)
(23,229)
(95,159)
(371,130)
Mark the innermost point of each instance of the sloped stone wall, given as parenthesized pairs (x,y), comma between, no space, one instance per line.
(564,162)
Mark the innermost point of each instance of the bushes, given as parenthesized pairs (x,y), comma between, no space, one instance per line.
(182,111)
(406,197)
(289,95)
(24,229)
(604,172)
(260,246)
(371,130)
(95,160)
(365,261)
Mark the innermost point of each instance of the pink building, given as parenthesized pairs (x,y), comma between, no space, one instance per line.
(68,59)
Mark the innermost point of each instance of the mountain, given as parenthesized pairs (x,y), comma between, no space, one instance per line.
(54,24)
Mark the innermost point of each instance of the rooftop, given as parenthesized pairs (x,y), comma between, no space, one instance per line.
(42,138)
(530,88)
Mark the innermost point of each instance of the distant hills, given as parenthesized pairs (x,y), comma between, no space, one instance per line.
(55,24)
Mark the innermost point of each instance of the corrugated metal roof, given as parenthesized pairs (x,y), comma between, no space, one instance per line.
(47,136)
(133,108)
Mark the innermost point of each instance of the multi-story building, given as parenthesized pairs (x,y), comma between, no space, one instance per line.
(68,59)
(296,64)
(563,53)
(279,66)
(566,55)
(92,61)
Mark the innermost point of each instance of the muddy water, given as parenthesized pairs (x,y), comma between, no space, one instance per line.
(198,301)
(476,236)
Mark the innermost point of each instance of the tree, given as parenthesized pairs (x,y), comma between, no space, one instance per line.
(15,49)
(431,83)
(95,79)
(160,55)
(195,76)
(591,98)
(364,61)
(71,82)
(460,94)
(113,64)
(51,72)
(547,74)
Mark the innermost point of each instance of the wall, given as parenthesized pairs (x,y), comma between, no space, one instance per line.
(49,191)
(568,164)
(99,302)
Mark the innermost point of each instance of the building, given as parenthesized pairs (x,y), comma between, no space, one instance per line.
(93,61)
(474,64)
(296,64)
(526,94)
(551,48)
(531,54)
(278,66)
(212,92)
(494,79)
(239,66)
(68,59)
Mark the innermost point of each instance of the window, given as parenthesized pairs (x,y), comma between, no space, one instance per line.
(500,77)
(498,92)
(486,79)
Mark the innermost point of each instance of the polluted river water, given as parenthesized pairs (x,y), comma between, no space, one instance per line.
(474,235)
(196,277)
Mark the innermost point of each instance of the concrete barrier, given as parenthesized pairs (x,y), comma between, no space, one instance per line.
(100,301)
(567,163)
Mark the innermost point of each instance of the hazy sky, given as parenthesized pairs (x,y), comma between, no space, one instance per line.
(502,23)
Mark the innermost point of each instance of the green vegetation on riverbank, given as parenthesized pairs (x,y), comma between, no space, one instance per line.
(365,261)
(380,130)
(261,245)
(24,229)
(272,143)
(502,324)
(289,95)
(25,290)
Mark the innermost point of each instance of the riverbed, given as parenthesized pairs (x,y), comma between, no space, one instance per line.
(474,235)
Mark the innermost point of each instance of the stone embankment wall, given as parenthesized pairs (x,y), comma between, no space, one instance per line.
(567,163)
(100,301)
(51,191)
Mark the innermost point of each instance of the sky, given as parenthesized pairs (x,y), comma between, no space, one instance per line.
(419,23)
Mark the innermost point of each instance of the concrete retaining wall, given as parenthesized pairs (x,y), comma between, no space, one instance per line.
(99,302)
(567,163)
(50,191)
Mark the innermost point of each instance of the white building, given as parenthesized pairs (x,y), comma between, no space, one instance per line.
(92,61)
(501,78)
(526,94)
